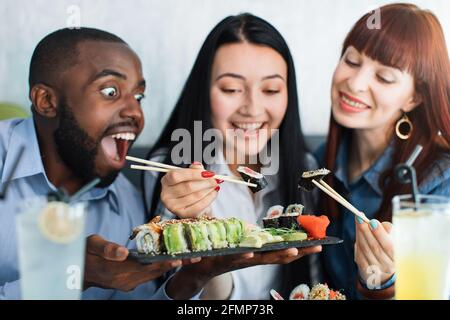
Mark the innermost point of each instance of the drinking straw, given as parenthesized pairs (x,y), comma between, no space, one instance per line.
(405,173)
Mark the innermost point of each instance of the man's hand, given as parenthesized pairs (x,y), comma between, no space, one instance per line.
(191,279)
(107,266)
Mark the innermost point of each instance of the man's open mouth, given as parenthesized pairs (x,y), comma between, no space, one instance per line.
(115,146)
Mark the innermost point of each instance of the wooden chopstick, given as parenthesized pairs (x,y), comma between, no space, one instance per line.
(341,200)
(167,168)
(151,163)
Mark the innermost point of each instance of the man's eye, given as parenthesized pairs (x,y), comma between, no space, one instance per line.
(139,97)
(109,92)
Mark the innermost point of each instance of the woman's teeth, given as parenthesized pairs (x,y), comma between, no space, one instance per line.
(248,126)
(353,103)
(125,136)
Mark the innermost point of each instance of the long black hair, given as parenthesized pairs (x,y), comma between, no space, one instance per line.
(194,102)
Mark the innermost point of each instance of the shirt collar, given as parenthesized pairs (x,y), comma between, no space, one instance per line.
(23,134)
(30,164)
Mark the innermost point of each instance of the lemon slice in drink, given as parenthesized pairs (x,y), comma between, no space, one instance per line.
(57,223)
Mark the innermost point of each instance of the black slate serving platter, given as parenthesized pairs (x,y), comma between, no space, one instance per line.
(150,258)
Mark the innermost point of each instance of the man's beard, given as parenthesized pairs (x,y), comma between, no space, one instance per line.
(77,149)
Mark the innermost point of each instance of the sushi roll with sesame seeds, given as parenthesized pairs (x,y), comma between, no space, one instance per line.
(197,236)
(305,183)
(217,234)
(235,231)
(174,238)
(254,177)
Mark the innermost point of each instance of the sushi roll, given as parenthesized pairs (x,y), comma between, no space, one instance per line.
(306,183)
(197,236)
(217,234)
(272,216)
(289,221)
(174,238)
(295,208)
(235,231)
(251,176)
(148,237)
(300,292)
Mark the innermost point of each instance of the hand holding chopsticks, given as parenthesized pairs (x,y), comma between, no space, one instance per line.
(161,167)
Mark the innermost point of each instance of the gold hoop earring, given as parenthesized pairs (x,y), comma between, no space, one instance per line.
(404,121)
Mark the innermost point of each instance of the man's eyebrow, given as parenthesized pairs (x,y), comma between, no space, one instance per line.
(230,74)
(108,72)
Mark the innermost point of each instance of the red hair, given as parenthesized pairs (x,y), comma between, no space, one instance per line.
(409,39)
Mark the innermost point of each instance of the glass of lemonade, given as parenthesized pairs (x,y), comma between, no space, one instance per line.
(51,249)
(421,247)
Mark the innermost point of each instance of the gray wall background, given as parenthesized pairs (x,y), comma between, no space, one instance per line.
(167,35)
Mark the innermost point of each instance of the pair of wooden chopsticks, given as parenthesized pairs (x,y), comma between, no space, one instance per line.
(161,167)
(325,187)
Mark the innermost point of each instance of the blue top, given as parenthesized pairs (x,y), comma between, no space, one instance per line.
(366,195)
(112,211)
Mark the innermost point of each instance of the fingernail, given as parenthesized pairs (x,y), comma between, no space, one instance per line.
(219,181)
(121,252)
(196,163)
(217,188)
(208,174)
(373,224)
(360,221)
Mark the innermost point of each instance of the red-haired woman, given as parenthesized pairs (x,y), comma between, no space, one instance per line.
(390,92)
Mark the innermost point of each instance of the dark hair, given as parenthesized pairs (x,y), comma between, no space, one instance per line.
(194,101)
(58,51)
(410,39)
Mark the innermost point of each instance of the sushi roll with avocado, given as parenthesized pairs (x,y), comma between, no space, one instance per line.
(305,183)
(235,230)
(197,235)
(251,176)
(174,238)
(272,217)
(217,234)
(188,235)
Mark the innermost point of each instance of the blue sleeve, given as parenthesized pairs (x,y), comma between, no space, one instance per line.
(443,189)
(10,291)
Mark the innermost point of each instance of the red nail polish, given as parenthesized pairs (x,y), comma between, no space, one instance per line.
(219,181)
(196,163)
(208,174)
(217,188)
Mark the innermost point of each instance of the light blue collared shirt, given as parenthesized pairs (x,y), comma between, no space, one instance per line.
(112,211)
(366,195)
